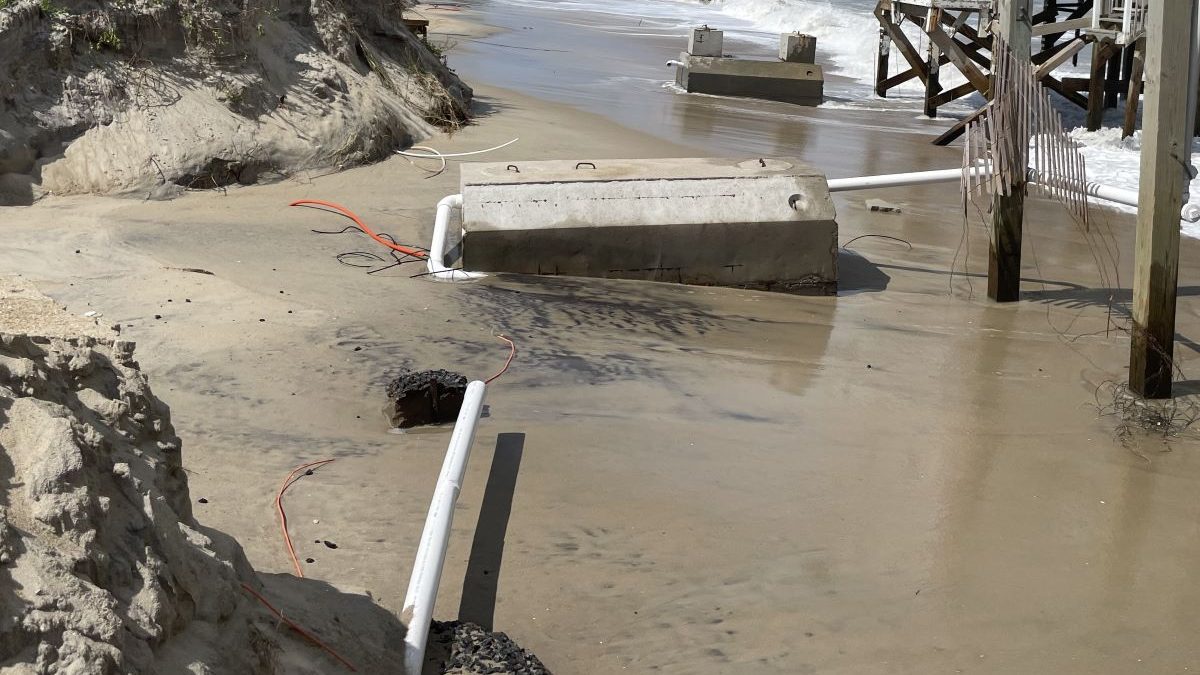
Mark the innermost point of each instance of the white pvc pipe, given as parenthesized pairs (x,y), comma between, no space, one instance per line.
(901,179)
(1189,212)
(673,62)
(437,248)
(436,154)
(431,553)
(1091,188)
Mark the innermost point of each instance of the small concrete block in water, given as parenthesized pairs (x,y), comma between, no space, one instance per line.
(706,41)
(882,206)
(711,221)
(425,397)
(797,48)
(799,83)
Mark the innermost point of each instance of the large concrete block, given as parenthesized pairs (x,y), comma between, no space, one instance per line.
(800,83)
(700,221)
(797,48)
(706,41)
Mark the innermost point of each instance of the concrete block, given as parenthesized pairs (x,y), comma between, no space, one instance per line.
(800,83)
(797,48)
(706,41)
(723,222)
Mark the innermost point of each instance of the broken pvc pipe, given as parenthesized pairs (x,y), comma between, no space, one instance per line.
(431,553)
(1189,212)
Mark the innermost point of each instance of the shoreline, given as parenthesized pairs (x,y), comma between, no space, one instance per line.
(621,61)
(901,478)
(622,78)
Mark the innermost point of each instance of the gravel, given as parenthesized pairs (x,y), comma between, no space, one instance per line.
(460,648)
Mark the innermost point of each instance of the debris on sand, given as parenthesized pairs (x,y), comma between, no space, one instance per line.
(461,648)
(880,206)
(424,397)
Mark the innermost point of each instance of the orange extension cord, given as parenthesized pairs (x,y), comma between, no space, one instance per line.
(511,353)
(292,478)
(291,624)
(358,221)
(287,538)
(283,525)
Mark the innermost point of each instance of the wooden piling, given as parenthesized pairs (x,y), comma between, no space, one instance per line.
(881,60)
(1101,52)
(952,40)
(1138,50)
(1008,212)
(1112,80)
(933,85)
(1166,135)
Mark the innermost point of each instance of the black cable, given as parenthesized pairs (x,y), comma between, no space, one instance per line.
(341,231)
(340,258)
(425,274)
(397,257)
(881,236)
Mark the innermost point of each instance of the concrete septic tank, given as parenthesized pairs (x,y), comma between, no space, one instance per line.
(786,81)
(723,222)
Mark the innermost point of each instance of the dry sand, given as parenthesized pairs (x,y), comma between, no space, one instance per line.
(147,98)
(903,478)
(103,568)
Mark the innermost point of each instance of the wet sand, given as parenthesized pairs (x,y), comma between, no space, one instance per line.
(903,478)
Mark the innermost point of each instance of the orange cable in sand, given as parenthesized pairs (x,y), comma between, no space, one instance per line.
(366,230)
(512,352)
(291,624)
(283,524)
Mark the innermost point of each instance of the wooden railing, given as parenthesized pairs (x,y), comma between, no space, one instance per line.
(1127,18)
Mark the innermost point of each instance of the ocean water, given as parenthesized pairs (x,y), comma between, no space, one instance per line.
(847,40)
(846,32)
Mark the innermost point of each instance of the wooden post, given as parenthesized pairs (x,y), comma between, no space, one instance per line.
(1095,100)
(1008,212)
(1112,81)
(1127,64)
(885,48)
(1166,136)
(933,22)
(1196,132)
(1138,50)
(1049,14)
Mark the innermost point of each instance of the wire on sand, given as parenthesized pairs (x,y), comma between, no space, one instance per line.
(283,523)
(453,154)
(408,250)
(881,236)
(511,353)
(291,624)
(436,153)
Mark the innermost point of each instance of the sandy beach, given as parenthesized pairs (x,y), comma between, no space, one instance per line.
(902,478)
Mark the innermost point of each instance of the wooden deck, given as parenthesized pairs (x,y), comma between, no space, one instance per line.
(958,34)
